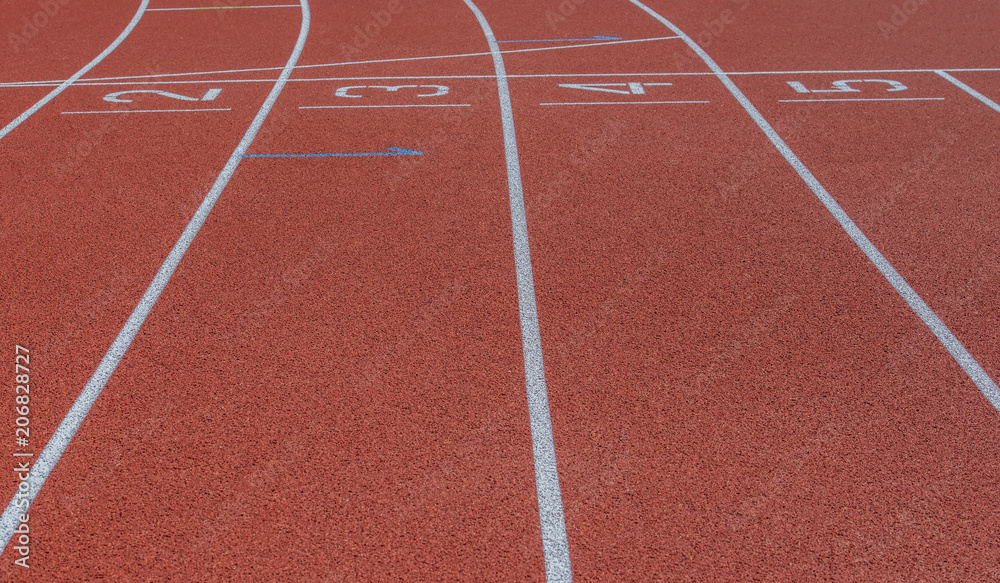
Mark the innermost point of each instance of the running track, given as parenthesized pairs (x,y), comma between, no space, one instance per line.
(660,306)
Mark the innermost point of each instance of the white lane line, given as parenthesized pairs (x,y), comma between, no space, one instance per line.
(375,106)
(986,100)
(64,84)
(224,7)
(78,412)
(865,99)
(396,60)
(146,110)
(619,102)
(122,80)
(555,545)
(844,71)
(315,79)
(916,303)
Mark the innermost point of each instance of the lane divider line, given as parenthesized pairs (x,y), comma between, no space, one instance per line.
(555,545)
(986,100)
(78,412)
(65,84)
(965,360)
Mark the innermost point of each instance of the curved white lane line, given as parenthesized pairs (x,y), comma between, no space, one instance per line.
(62,87)
(555,544)
(74,418)
(916,303)
(321,65)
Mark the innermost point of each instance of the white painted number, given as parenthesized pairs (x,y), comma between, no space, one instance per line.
(627,88)
(845,86)
(210,95)
(438,90)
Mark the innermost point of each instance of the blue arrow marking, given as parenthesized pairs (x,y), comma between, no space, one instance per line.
(391,152)
(403,152)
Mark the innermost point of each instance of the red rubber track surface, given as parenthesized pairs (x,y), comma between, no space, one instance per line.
(331,387)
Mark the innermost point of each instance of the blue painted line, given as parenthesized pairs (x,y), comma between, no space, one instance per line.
(391,152)
(555,40)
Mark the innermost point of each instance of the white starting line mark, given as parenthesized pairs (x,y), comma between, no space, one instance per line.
(864,99)
(224,7)
(621,102)
(375,106)
(146,111)
(986,100)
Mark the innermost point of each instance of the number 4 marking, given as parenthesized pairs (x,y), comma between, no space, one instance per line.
(629,88)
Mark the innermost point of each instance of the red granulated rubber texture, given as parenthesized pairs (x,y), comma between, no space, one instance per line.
(331,387)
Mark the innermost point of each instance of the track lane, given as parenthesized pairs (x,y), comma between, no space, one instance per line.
(408,356)
(918,182)
(709,399)
(416,442)
(911,482)
(157,219)
(364,36)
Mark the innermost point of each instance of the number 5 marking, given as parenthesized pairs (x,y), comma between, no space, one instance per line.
(845,86)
